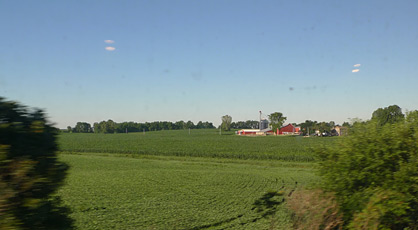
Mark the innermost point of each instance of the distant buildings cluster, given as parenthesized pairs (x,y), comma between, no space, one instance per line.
(290,129)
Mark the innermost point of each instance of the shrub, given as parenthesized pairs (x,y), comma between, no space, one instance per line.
(374,174)
(29,171)
(314,209)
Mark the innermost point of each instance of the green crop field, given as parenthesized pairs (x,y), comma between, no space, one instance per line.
(199,143)
(173,180)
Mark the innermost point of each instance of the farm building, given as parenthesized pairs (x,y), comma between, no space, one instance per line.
(289,129)
(255,132)
(285,130)
(341,130)
(263,131)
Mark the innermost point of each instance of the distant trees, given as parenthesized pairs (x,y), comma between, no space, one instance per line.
(249,124)
(276,120)
(226,122)
(308,126)
(322,126)
(82,127)
(30,172)
(204,125)
(346,124)
(190,125)
(110,126)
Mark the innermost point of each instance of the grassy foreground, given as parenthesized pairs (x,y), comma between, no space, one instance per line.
(109,192)
(173,180)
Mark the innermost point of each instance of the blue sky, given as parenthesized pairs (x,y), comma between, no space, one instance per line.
(199,60)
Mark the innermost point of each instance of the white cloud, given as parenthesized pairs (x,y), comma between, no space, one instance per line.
(357,65)
(109,41)
(110,48)
(355,70)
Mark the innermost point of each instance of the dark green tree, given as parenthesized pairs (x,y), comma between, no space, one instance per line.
(200,125)
(390,114)
(276,120)
(190,125)
(82,127)
(179,125)
(208,125)
(111,126)
(29,171)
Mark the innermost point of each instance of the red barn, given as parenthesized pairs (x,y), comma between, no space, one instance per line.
(289,130)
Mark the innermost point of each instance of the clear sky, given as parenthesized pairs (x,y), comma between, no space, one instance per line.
(199,59)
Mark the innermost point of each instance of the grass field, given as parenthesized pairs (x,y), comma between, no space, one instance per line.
(173,180)
(200,143)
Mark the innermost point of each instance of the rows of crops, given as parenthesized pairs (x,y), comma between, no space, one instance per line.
(109,192)
(197,143)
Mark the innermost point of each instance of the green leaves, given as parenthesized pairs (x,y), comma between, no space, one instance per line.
(29,170)
(388,115)
(226,122)
(276,120)
(374,173)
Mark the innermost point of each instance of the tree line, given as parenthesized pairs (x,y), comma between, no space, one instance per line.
(322,127)
(110,126)
(276,121)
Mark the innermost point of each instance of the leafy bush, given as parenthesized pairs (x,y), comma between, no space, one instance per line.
(29,171)
(374,174)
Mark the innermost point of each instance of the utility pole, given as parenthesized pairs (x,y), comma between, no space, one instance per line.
(259,124)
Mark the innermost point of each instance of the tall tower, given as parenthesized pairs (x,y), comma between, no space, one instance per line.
(259,123)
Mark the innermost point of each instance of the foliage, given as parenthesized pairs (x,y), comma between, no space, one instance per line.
(308,126)
(110,126)
(384,209)
(226,123)
(82,127)
(29,171)
(346,124)
(276,120)
(312,126)
(374,173)
(245,124)
(391,114)
(179,192)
